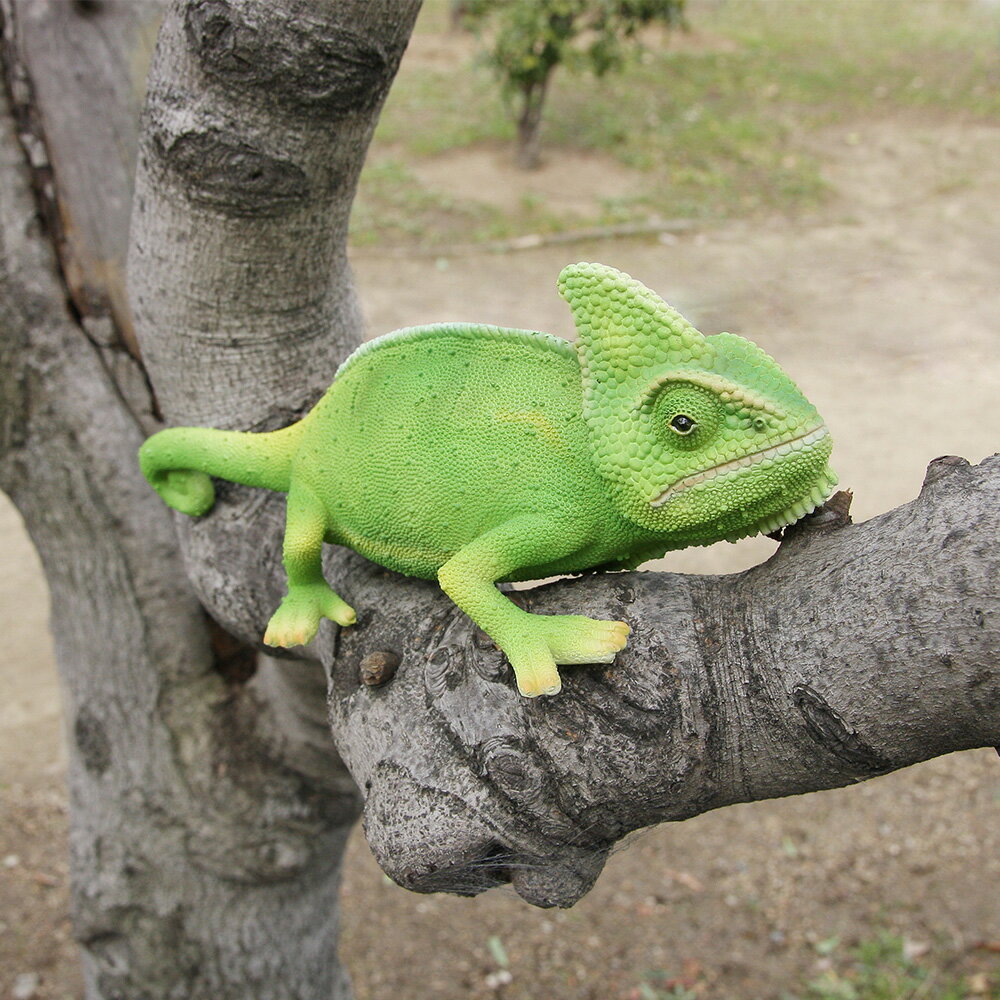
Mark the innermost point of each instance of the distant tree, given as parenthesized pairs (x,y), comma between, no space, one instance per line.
(527,39)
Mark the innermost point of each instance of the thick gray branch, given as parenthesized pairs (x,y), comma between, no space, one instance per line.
(75,77)
(84,160)
(852,652)
(256,123)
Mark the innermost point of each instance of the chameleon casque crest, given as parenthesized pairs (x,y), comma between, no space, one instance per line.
(475,455)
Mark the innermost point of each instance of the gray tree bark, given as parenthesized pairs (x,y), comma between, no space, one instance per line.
(854,651)
(209,804)
(209,807)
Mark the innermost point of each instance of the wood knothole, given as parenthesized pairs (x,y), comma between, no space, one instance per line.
(379,667)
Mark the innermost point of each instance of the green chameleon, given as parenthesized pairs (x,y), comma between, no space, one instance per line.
(476,455)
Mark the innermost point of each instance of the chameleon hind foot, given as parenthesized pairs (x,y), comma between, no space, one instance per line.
(297,619)
(552,639)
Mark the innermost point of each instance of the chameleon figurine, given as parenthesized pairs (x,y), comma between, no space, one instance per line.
(475,454)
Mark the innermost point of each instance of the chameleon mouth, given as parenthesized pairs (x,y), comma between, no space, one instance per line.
(806,440)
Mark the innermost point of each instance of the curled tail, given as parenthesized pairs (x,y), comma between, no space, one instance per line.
(179,461)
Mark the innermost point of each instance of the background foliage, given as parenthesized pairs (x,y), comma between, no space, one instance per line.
(718,122)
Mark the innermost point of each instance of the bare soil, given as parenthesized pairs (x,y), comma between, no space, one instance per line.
(486,174)
(885,306)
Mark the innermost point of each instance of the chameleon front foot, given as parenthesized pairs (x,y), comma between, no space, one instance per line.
(297,619)
(566,639)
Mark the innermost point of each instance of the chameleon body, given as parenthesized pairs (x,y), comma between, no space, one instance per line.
(475,455)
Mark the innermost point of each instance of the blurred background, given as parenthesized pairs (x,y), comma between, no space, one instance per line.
(821,176)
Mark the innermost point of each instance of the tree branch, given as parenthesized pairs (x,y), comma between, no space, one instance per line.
(852,652)
(255,127)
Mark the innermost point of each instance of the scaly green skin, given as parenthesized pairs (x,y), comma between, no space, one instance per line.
(474,454)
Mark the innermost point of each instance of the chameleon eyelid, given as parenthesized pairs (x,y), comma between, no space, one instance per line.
(727,391)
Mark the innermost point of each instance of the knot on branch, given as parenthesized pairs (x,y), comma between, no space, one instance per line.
(91,738)
(941,468)
(224,172)
(830,731)
(379,667)
(290,53)
(512,769)
(468,785)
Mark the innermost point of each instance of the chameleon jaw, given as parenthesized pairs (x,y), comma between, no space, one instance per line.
(805,440)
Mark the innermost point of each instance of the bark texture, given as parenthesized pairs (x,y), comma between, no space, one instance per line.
(209,807)
(854,651)
(257,119)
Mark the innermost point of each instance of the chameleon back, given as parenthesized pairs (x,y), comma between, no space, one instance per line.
(430,436)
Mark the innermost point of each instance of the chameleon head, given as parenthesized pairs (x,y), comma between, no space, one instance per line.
(699,438)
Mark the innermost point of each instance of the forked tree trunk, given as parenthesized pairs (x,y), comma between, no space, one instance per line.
(209,808)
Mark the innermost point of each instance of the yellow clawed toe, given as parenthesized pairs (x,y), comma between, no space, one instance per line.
(289,633)
(533,684)
(563,639)
(343,614)
(297,619)
(586,640)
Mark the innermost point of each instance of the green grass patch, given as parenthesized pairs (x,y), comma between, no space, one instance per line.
(719,124)
(392,207)
(879,969)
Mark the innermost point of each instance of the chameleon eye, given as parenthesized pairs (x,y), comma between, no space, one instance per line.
(687,416)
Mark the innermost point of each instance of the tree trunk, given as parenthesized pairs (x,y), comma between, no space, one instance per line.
(209,811)
(529,125)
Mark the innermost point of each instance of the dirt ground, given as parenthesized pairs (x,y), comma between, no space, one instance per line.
(885,306)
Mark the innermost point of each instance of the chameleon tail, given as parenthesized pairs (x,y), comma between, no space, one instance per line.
(179,461)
